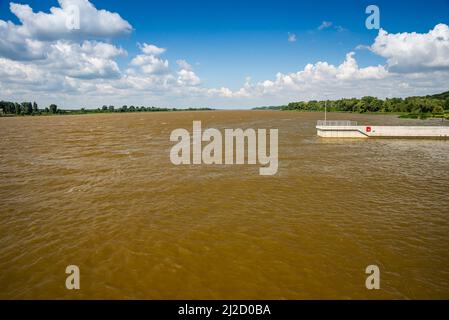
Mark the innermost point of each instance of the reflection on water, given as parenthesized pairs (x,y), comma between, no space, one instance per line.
(100,192)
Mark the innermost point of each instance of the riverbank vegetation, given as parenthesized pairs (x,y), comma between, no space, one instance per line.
(8,108)
(432,106)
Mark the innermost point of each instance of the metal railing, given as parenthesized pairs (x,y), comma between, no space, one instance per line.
(336,123)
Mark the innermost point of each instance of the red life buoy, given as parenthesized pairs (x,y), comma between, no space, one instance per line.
(368,129)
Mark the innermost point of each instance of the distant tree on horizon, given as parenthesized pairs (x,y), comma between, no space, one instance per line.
(53,108)
(35,108)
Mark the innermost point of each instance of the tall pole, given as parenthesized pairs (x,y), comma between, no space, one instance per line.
(325,112)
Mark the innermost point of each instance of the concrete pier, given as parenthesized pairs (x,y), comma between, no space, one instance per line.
(350,129)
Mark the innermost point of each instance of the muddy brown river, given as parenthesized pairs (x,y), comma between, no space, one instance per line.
(100,192)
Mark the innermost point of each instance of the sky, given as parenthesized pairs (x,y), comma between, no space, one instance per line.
(221,54)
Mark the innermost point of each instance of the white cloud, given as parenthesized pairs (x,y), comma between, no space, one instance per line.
(412,52)
(150,64)
(53,25)
(151,49)
(221,92)
(291,37)
(32,38)
(14,45)
(17,72)
(330,24)
(314,78)
(51,65)
(149,61)
(325,25)
(184,65)
(89,60)
(186,76)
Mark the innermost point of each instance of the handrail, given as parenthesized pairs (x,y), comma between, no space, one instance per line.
(336,123)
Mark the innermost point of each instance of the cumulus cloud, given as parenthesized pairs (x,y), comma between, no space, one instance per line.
(16,72)
(14,45)
(149,61)
(54,25)
(32,39)
(412,52)
(325,25)
(49,63)
(150,64)
(184,65)
(315,77)
(291,37)
(89,60)
(186,76)
(151,70)
(151,49)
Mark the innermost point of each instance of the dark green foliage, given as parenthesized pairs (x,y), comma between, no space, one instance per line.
(28,108)
(35,108)
(446,104)
(53,108)
(417,105)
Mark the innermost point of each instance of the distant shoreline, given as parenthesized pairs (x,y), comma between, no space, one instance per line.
(75,112)
(424,107)
(14,109)
(431,106)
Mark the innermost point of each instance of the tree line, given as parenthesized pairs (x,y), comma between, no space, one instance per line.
(25,108)
(435,104)
(132,108)
(373,104)
(28,108)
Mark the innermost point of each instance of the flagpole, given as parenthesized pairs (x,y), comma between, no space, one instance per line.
(325,112)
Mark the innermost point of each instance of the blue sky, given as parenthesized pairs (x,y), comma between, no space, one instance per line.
(227,41)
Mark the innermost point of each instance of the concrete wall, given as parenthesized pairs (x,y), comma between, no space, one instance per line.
(339,132)
(382,131)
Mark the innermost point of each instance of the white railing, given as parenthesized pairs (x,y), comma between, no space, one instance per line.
(336,123)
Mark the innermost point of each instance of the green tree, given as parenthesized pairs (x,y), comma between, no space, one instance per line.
(35,108)
(360,106)
(17,108)
(446,104)
(438,109)
(53,108)
(27,108)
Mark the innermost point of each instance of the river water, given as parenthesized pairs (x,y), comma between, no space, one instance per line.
(100,192)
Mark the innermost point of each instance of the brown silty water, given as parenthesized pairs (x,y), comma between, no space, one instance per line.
(100,192)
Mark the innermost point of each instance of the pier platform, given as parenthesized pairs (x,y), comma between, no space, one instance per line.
(350,129)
